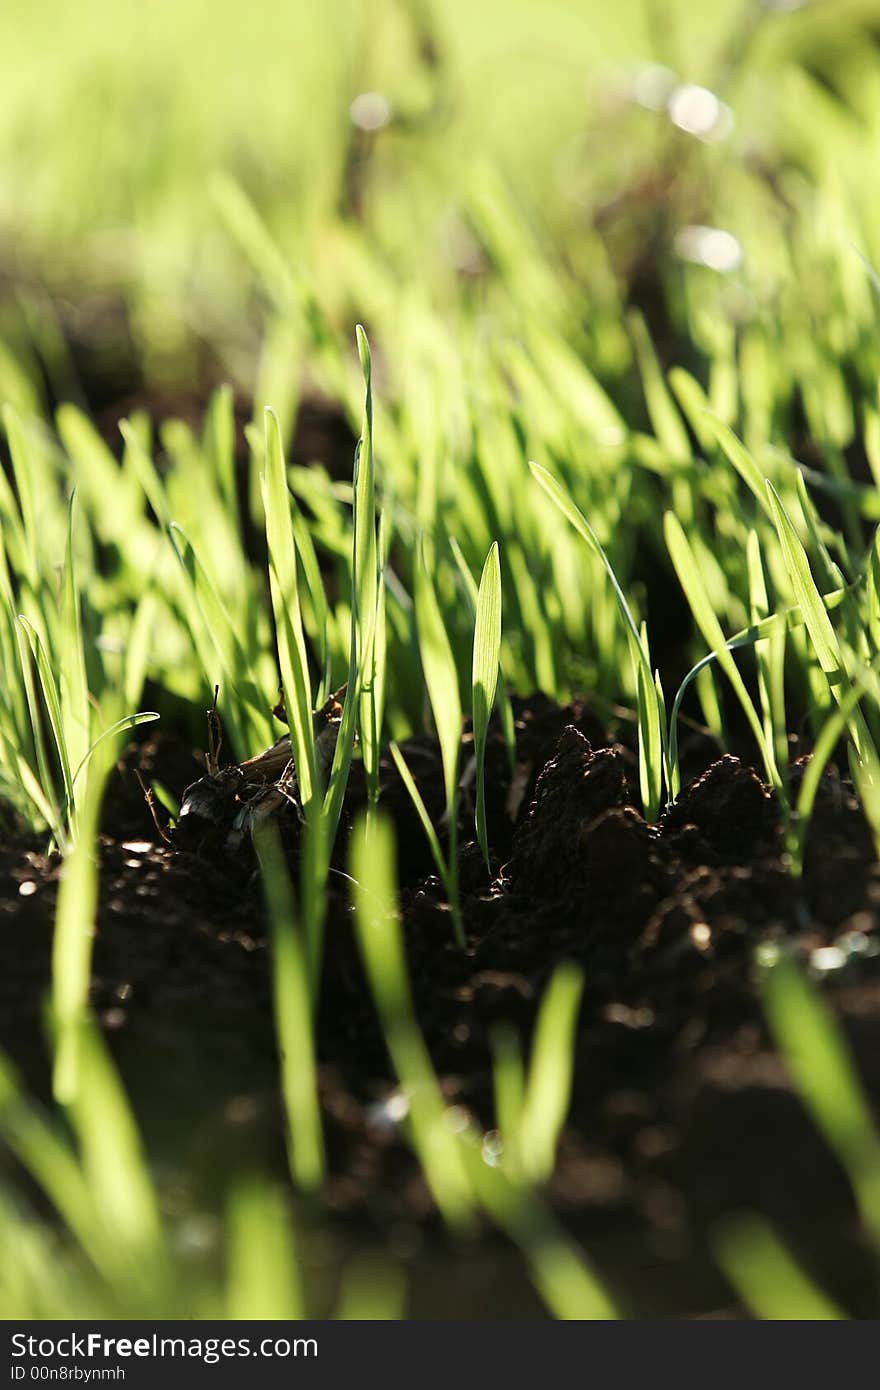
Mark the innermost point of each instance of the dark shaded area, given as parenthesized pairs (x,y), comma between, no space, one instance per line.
(681,1110)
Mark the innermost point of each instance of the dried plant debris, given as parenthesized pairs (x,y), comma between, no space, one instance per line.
(232,801)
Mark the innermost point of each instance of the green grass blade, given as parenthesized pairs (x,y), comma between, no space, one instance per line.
(441,677)
(487,652)
(286,608)
(819,625)
(691,581)
(548,1087)
(766,1277)
(822,1069)
(651,765)
(381,946)
(263,1275)
(293,1016)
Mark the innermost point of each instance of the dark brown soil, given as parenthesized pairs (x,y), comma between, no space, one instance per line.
(682,1112)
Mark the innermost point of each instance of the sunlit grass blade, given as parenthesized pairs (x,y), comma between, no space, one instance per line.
(444,868)
(563,1276)
(51,1163)
(286,608)
(129,721)
(823,1071)
(293,1016)
(691,581)
(824,747)
(819,625)
(112,1156)
(766,1276)
(509,1085)
(365,579)
(441,678)
(665,418)
(73,683)
(770,657)
(505,709)
(651,764)
(487,651)
(381,945)
(741,459)
(548,1085)
(263,1277)
(49,690)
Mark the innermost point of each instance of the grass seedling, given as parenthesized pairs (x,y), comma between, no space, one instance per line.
(766,1277)
(560,1271)
(650,737)
(264,1279)
(293,1016)
(441,681)
(691,580)
(821,631)
(547,1092)
(487,651)
(381,946)
(531,1106)
(822,1069)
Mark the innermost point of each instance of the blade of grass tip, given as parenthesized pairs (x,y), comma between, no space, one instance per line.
(293,1017)
(487,651)
(129,721)
(818,623)
(548,1087)
(286,609)
(381,946)
(650,767)
(263,1275)
(824,1074)
(689,577)
(764,1274)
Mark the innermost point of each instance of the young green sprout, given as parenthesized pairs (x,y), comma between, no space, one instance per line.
(649,713)
(487,651)
(441,681)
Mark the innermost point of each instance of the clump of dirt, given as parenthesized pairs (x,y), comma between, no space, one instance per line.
(681,1110)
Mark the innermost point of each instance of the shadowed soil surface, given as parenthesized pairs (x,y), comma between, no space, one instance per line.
(681,1112)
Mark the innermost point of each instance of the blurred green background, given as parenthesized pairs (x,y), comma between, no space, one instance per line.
(193,194)
(118,122)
